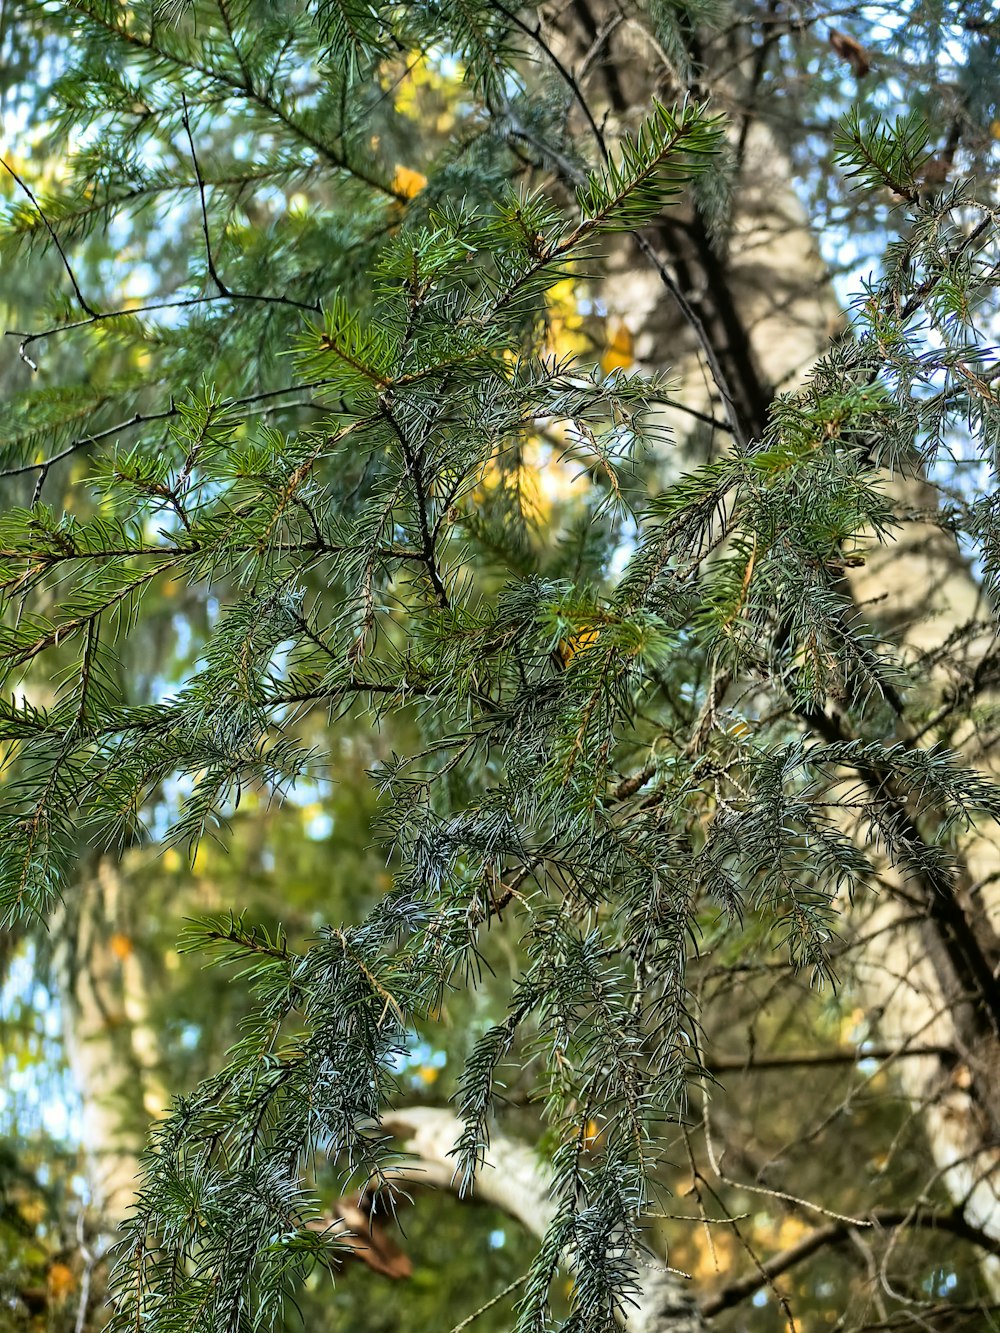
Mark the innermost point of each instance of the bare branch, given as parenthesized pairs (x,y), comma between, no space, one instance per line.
(882,1219)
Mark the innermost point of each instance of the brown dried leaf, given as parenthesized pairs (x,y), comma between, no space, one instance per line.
(852,51)
(936,171)
(366,1240)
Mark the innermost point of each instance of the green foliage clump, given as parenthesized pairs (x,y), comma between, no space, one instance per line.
(331,424)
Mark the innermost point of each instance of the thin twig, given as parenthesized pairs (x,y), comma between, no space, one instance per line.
(213,271)
(90,1261)
(725,1064)
(28,338)
(510,1288)
(85,304)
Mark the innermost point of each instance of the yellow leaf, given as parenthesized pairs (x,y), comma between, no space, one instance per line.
(61,1282)
(428,1074)
(121,946)
(408,183)
(592,1135)
(789,1231)
(585,637)
(566,333)
(561,297)
(171,860)
(32,1211)
(619,352)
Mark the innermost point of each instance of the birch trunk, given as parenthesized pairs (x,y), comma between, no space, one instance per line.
(110,1045)
(758,313)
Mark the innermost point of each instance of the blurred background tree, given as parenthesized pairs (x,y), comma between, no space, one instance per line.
(187,186)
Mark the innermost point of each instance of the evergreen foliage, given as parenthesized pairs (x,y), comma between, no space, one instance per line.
(331,419)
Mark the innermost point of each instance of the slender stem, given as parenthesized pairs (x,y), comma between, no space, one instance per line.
(48,227)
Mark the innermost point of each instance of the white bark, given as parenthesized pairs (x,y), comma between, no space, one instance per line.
(110,1046)
(919,591)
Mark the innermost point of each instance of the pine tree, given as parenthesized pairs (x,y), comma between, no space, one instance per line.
(638,710)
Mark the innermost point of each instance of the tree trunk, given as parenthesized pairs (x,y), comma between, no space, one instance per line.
(753,314)
(110,1045)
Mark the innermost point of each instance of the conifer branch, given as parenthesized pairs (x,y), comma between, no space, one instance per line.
(253,95)
(145,418)
(634,735)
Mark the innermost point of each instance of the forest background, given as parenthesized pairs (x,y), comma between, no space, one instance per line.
(499,549)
